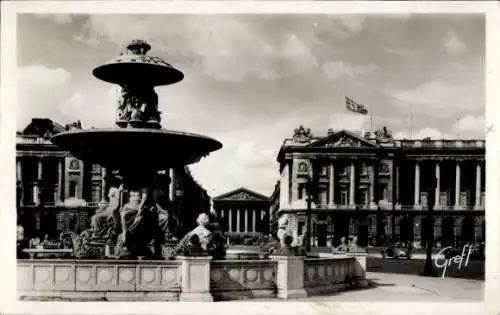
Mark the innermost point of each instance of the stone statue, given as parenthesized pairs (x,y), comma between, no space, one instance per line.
(282,225)
(383,135)
(302,135)
(105,223)
(342,246)
(204,235)
(353,245)
(138,104)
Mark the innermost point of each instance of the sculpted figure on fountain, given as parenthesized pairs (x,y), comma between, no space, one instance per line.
(105,224)
(138,106)
(206,241)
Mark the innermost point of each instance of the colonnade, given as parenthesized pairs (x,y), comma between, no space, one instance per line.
(37,183)
(230,213)
(458,170)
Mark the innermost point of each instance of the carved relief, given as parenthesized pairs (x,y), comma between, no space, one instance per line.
(74,165)
(383,168)
(242,196)
(345,141)
(302,168)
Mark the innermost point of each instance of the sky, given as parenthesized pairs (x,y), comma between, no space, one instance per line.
(250,80)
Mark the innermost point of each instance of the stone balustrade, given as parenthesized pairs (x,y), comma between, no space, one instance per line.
(243,279)
(99,279)
(187,278)
(326,275)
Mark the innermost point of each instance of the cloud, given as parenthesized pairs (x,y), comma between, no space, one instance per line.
(334,69)
(400,52)
(472,126)
(348,25)
(453,44)
(427,132)
(347,121)
(208,41)
(59,19)
(40,90)
(437,97)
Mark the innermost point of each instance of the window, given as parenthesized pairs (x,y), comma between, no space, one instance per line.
(324,170)
(73,187)
(343,197)
(300,229)
(96,169)
(323,196)
(363,196)
(96,191)
(301,190)
(364,169)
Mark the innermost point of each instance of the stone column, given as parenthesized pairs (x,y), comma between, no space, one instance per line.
(19,177)
(60,172)
(396,178)
(352,183)
(437,196)
(371,170)
(285,187)
(290,277)
(331,187)
(230,220)
(103,184)
(36,188)
(19,171)
(457,186)
(195,279)
(477,204)
(237,220)
(254,214)
(171,185)
(246,220)
(417,186)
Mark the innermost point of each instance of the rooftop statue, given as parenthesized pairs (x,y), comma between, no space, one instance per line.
(383,135)
(302,135)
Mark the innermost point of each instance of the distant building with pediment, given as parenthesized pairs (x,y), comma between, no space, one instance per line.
(384,183)
(243,212)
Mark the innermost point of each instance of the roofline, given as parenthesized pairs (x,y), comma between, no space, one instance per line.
(222,196)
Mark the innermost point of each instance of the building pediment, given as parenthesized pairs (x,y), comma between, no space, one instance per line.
(241,194)
(344,139)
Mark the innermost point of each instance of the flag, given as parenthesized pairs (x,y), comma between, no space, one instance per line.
(355,107)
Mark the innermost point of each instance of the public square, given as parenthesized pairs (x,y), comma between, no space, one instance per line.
(264,157)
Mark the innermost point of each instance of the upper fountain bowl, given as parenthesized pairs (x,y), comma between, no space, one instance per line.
(135,67)
(133,148)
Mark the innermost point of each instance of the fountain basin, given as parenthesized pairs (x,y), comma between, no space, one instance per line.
(138,69)
(139,148)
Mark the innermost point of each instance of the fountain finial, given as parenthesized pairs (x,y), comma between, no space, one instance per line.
(138,47)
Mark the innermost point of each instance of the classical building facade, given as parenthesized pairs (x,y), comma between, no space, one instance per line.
(57,192)
(243,212)
(385,183)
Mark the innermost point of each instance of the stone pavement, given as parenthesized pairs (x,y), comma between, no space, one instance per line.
(387,287)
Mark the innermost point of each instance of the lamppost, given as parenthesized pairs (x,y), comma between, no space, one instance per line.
(310,190)
(429,270)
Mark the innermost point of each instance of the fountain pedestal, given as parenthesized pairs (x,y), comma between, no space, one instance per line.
(195,279)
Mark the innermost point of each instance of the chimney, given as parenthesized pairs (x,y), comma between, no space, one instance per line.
(329,132)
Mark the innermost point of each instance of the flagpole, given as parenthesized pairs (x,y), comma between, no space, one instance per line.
(458,121)
(411,121)
(371,118)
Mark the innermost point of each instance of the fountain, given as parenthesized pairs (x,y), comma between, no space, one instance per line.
(137,148)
